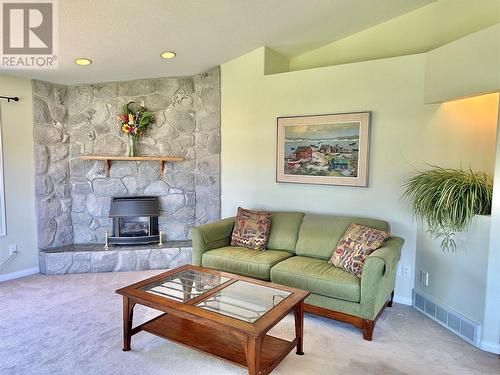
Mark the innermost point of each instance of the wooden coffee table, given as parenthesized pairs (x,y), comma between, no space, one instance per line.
(225,315)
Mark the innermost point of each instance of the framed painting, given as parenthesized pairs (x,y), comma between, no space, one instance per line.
(324,149)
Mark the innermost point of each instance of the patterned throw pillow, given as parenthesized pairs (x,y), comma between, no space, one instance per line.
(354,247)
(251,229)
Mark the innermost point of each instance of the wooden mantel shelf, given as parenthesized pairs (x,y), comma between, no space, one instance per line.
(108,158)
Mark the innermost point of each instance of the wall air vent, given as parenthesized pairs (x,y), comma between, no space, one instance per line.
(456,323)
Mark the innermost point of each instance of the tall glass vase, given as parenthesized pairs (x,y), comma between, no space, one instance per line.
(132,139)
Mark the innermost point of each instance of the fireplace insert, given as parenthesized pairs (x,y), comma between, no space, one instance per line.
(135,220)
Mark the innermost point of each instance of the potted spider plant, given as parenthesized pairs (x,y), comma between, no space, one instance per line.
(447,200)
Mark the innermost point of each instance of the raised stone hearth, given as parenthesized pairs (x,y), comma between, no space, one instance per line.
(89,258)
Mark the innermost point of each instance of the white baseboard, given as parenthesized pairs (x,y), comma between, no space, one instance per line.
(490,347)
(403,300)
(18,274)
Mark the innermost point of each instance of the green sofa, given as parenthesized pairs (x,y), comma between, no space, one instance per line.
(299,248)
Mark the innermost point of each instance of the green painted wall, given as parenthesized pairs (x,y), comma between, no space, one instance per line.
(470,65)
(418,31)
(18,156)
(275,62)
(458,280)
(491,327)
(405,135)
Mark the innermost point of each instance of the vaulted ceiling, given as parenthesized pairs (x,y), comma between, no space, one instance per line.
(124,38)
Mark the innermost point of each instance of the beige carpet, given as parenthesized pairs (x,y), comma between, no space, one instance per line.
(71,324)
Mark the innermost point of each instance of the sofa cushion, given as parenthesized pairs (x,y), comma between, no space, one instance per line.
(317,276)
(284,230)
(356,244)
(319,234)
(251,229)
(243,261)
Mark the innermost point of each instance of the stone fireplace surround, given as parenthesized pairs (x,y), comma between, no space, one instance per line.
(73,196)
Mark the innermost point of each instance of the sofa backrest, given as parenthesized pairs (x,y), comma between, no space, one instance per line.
(320,234)
(284,230)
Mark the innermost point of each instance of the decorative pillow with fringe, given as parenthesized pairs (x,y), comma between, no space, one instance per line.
(251,229)
(354,247)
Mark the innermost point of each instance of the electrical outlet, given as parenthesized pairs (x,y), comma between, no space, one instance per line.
(12,249)
(424,278)
(406,272)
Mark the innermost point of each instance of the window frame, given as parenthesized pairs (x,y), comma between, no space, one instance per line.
(3,215)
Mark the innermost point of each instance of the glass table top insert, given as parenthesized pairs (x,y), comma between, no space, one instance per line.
(244,301)
(185,285)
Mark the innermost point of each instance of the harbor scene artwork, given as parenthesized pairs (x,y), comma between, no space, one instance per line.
(324,149)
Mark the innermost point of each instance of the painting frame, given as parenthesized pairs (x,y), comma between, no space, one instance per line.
(348,172)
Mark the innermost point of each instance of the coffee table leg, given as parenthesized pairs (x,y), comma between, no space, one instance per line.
(299,327)
(253,355)
(128,315)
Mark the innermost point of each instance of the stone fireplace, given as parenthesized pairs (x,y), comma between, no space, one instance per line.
(73,196)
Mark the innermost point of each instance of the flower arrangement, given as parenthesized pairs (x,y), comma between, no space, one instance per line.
(134,120)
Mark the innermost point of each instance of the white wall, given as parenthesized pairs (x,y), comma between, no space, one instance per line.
(18,154)
(406,134)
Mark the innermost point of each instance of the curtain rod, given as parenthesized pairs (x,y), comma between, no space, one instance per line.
(10,98)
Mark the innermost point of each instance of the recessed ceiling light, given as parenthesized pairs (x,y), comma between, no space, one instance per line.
(83,61)
(168,55)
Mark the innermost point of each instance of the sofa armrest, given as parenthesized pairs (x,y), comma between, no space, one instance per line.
(211,236)
(379,276)
(389,253)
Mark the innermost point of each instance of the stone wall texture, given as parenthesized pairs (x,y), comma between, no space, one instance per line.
(73,195)
(52,176)
(113,260)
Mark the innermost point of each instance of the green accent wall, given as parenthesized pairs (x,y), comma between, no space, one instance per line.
(418,31)
(275,62)
(406,135)
(470,65)
(491,321)
(18,159)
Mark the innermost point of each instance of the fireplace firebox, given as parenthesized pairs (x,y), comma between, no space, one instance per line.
(135,220)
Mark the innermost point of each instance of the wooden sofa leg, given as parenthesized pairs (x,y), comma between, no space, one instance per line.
(368,326)
(389,304)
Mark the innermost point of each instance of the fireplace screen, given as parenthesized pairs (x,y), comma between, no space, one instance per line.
(134,226)
(135,220)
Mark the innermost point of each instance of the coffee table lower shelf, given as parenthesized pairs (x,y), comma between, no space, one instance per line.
(215,342)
